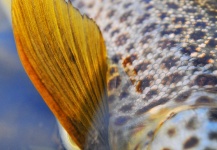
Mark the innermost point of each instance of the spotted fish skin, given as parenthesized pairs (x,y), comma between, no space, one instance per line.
(165,93)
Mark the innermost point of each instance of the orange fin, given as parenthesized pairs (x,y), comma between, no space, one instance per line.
(64,55)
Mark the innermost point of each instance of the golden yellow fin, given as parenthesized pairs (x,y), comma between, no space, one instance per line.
(64,55)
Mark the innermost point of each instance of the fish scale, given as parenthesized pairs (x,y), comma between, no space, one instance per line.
(166,55)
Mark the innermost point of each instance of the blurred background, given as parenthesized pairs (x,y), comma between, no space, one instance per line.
(26,123)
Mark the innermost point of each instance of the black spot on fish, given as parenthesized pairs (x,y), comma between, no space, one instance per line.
(212,43)
(149,7)
(192,124)
(140,19)
(213,114)
(141,67)
(172,5)
(142,84)
(127,5)
(150,94)
(197,35)
(173,78)
(125,16)
(183,96)
(151,105)
(111,98)
(200,24)
(121,120)
(171,132)
(190,10)
(149,28)
(202,60)
(213,136)
(115,32)
(178,31)
(169,62)
(126,108)
(188,49)
(111,13)
(116,58)
(205,79)
(191,142)
(121,39)
(108,27)
(123,94)
(204,100)
(146,1)
(163,15)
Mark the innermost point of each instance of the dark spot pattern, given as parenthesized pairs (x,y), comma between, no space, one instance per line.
(110,13)
(191,142)
(142,84)
(141,67)
(126,108)
(213,136)
(173,78)
(116,31)
(151,105)
(205,79)
(111,98)
(188,49)
(212,43)
(127,5)
(202,60)
(183,96)
(108,27)
(192,124)
(172,5)
(116,58)
(171,132)
(149,28)
(204,100)
(123,95)
(142,18)
(125,16)
(200,24)
(196,35)
(150,94)
(163,15)
(121,120)
(121,39)
(169,62)
(213,114)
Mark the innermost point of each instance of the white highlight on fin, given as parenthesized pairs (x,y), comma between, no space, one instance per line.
(68,143)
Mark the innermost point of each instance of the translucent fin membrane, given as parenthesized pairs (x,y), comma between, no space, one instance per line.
(64,55)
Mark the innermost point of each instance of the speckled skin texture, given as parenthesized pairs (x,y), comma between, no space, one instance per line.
(163,92)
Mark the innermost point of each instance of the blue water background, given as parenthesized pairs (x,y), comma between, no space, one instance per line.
(26,123)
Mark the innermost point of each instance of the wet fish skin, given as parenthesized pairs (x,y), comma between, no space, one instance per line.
(166,54)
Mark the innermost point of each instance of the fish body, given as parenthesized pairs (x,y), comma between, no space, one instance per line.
(162,84)
(165,94)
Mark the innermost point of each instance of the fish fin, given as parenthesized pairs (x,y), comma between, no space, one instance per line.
(64,55)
